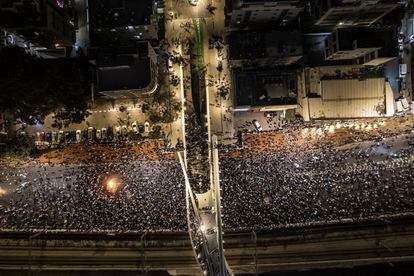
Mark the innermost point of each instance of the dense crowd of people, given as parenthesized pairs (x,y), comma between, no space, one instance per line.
(197,152)
(297,179)
(150,196)
(276,180)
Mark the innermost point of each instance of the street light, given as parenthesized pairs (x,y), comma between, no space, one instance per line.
(112,184)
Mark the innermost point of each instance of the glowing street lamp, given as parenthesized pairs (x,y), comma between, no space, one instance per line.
(112,185)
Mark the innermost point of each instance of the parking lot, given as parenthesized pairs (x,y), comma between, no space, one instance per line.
(267,120)
(132,132)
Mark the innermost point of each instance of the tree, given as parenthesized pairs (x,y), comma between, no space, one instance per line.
(210,8)
(220,67)
(174,80)
(165,107)
(21,146)
(33,88)
(223,91)
(155,133)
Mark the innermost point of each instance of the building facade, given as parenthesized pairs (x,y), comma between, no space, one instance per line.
(348,91)
(43,23)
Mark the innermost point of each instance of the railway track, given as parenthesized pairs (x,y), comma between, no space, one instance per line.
(346,244)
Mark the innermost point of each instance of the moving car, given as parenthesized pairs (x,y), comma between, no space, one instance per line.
(257,125)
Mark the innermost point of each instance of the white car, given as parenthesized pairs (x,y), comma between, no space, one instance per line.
(78,136)
(193,2)
(135,127)
(401,38)
(98,134)
(257,125)
(170,66)
(91,133)
(117,131)
(124,130)
(146,127)
(61,136)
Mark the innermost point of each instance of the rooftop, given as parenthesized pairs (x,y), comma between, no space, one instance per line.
(356,13)
(379,61)
(126,68)
(120,13)
(352,54)
(239,3)
(252,45)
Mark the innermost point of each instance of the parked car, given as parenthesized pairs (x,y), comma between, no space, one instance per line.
(193,2)
(61,136)
(146,127)
(40,136)
(85,135)
(110,133)
(98,134)
(72,136)
(54,137)
(67,136)
(124,130)
(48,137)
(104,134)
(78,136)
(257,125)
(91,133)
(141,128)
(135,127)
(117,131)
